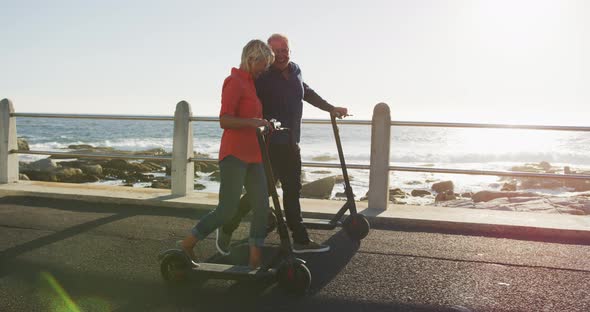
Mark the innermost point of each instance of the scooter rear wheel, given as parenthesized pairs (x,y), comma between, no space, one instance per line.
(356,226)
(294,278)
(175,268)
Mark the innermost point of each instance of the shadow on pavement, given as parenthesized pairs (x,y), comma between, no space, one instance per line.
(126,293)
(15,251)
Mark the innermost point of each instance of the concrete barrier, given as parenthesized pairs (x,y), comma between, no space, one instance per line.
(183,170)
(8,142)
(379,172)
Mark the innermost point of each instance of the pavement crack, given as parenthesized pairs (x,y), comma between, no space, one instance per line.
(477,261)
(25,228)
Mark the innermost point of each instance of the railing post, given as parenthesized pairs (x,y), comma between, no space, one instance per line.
(183,172)
(379,172)
(8,142)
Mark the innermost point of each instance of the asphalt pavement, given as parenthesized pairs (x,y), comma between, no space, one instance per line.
(66,255)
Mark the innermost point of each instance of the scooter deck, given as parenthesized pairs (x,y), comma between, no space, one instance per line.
(321,224)
(233,272)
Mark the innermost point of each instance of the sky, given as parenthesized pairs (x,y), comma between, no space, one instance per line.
(497,61)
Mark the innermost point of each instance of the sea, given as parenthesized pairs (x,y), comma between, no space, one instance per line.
(431,147)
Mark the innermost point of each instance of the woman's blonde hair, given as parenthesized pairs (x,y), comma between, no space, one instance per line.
(255,51)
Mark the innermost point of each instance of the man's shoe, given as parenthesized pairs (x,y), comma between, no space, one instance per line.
(310,246)
(222,242)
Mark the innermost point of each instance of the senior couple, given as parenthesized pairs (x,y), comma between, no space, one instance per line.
(267,85)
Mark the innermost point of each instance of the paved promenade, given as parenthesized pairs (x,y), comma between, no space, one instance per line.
(99,253)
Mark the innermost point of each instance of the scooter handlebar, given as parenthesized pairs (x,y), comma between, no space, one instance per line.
(273,125)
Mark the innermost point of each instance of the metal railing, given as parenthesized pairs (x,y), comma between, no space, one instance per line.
(87,116)
(378,167)
(319,122)
(432,169)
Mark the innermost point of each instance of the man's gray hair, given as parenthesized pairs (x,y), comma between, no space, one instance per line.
(256,51)
(278,37)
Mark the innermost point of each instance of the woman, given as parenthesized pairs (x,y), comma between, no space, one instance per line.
(240,161)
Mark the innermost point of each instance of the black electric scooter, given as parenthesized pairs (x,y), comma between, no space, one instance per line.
(291,273)
(356,225)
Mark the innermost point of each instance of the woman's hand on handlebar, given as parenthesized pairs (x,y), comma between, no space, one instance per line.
(259,122)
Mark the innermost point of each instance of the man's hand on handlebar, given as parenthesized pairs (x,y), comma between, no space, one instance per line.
(340,112)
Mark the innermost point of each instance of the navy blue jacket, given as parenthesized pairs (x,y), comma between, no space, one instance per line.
(282,99)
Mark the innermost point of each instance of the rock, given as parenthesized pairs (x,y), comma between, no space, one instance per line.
(74,175)
(444,186)
(509,187)
(573,205)
(140,167)
(80,146)
(136,177)
(420,193)
(320,189)
(321,172)
(206,167)
(68,172)
(535,168)
(161,183)
(114,173)
(200,155)
(578,185)
(95,170)
(545,166)
(457,203)
(340,178)
(72,164)
(152,166)
(22,144)
(45,164)
(484,196)
(158,151)
(82,178)
(35,175)
(323,158)
(541,183)
(467,194)
(23,177)
(397,202)
(397,192)
(119,164)
(444,196)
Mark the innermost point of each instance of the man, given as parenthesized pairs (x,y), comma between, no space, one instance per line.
(282,91)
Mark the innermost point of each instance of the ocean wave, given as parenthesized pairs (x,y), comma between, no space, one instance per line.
(578,158)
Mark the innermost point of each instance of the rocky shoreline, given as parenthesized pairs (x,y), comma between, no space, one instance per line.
(512,195)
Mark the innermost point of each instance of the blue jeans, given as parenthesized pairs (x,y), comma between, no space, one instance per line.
(286,166)
(236,174)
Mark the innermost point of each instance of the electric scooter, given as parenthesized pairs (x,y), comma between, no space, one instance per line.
(356,225)
(290,272)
